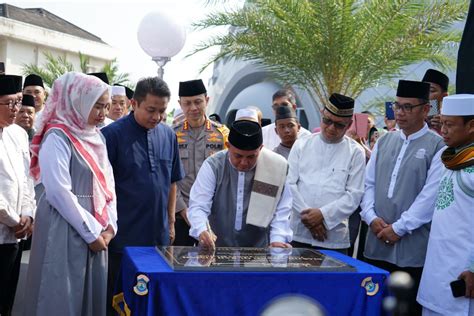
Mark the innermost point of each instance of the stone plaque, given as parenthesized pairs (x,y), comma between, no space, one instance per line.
(251,259)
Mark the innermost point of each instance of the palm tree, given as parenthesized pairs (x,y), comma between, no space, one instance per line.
(343,46)
(52,69)
(57,66)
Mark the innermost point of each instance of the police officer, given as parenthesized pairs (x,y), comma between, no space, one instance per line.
(198,138)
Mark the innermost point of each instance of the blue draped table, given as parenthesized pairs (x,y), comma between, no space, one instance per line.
(207,293)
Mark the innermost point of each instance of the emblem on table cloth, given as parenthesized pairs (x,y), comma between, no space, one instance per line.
(370,287)
(445,194)
(141,288)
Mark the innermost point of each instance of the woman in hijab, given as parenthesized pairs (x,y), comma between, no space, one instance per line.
(76,216)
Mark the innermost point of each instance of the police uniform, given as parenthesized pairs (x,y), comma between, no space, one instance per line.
(195,145)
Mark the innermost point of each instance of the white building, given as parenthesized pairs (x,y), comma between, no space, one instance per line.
(26,34)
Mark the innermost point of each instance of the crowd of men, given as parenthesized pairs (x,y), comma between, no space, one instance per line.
(241,184)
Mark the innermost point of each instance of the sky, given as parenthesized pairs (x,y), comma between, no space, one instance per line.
(116,23)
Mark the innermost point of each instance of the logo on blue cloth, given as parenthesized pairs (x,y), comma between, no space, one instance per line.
(370,287)
(141,288)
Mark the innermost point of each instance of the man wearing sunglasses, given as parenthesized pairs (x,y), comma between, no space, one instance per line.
(326,177)
(402,178)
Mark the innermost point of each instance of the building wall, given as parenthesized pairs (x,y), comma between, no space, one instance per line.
(22,43)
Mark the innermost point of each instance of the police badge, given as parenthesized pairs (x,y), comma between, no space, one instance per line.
(141,288)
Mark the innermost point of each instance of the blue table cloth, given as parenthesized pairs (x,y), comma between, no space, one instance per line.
(151,287)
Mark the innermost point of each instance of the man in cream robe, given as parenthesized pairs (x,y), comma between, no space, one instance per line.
(450,253)
(326,177)
(239,198)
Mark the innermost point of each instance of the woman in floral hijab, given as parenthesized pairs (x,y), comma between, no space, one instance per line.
(76,216)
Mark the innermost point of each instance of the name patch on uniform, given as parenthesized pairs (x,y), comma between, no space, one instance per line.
(265,188)
(214,146)
(183,146)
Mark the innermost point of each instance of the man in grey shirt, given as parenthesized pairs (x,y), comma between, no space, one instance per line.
(401,181)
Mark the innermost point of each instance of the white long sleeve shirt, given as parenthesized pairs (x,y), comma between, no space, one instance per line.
(17,194)
(54,158)
(421,210)
(200,203)
(330,177)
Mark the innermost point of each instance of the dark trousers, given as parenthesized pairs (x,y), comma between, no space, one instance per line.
(113,275)
(297,244)
(182,237)
(364,229)
(354,224)
(10,261)
(414,272)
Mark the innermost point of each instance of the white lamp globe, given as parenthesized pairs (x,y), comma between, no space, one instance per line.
(160,35)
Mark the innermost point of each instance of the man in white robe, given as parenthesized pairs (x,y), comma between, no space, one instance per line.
(326,176)
(450,254)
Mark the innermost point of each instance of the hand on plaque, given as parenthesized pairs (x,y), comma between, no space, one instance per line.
(206,256)
(277,244)
(207,240)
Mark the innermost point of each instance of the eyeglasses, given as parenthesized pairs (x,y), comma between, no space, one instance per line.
(337,125)
(408,108)
(276,106)
(13,104)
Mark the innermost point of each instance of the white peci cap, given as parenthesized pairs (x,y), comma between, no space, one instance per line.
(458,105)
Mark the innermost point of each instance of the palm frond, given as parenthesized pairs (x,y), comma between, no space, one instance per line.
(341,46)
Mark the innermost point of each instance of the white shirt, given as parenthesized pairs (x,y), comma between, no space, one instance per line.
(16,186)
(451,244)
(38,116)
(200,203)
(54,158)
(328,176)
(107,121)
(421,210)
(271,138)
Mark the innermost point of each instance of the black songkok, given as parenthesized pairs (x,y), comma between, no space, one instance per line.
(340,105)
(101,75)
(191,88)
(413,89)
(284,112)
(8,84)
(28,100)
(33,80)
(435,76)
(245,135)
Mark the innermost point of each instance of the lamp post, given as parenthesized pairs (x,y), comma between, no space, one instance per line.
(161,37)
